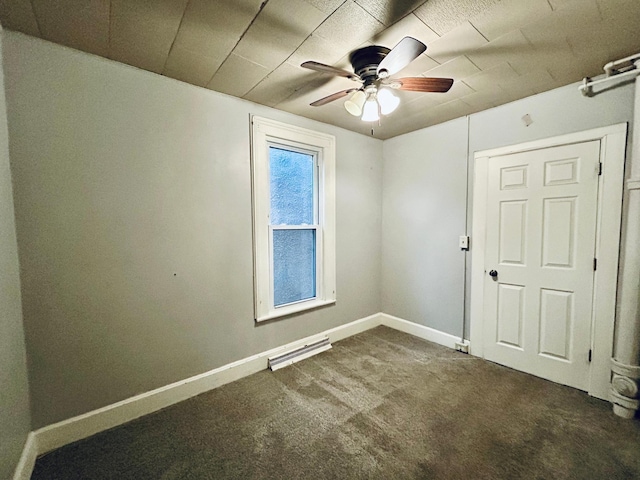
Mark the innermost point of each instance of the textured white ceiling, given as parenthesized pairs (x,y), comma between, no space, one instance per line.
(497,51)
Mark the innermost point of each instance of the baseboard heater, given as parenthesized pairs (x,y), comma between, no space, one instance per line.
(299,353)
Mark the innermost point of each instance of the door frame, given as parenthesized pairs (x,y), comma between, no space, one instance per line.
(613,140)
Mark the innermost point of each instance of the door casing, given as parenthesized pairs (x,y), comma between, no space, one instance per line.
(610,191)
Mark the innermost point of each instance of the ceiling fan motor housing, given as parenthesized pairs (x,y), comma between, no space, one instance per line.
(365,62)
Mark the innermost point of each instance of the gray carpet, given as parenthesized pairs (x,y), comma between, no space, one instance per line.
(380,405)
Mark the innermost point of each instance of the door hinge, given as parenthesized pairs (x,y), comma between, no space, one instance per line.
(595,264)
(590,353)
(600,169)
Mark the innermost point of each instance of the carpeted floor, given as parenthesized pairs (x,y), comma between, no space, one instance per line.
(380,405)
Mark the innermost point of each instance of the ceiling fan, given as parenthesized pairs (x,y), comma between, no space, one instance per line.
(373,65)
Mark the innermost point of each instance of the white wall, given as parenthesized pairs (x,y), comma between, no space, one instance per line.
(15,421)
(423,185)
(133,212)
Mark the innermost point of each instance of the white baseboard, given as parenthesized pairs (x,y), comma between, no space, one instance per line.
(76,428)
(27,459)
(73,429)
(426,333)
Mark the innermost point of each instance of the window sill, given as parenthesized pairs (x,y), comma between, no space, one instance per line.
(297,308)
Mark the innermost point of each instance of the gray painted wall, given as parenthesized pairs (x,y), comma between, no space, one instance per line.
(423,187)
(15,421)
(133,213)
(424,202)
(123,178)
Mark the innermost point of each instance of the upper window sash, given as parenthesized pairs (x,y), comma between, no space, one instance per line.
(317,160)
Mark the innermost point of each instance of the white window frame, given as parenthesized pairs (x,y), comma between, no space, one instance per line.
(266,133)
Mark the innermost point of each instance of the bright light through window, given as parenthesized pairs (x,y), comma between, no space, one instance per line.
(294,218)
(293,188)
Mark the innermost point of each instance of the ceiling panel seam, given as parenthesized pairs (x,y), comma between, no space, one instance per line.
(109,28)
(184,12)
(262,5)
(293,53)
(35,16)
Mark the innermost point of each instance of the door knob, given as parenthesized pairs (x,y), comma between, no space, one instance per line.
(493,273)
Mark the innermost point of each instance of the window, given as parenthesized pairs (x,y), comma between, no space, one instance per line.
(294,218)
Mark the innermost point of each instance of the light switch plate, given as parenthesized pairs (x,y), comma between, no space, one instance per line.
(464,242)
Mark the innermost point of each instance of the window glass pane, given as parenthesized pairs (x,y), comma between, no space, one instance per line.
(291,187)
(294,265)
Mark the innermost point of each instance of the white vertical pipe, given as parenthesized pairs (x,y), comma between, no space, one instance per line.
(626,361)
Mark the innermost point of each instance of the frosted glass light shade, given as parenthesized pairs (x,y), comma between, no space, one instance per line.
(388,101)
(355,103)
(370,110)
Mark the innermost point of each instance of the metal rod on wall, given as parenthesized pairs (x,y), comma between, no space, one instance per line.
(625,68)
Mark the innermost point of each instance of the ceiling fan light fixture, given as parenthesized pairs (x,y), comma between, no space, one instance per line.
(370,111)
(388,101)
(372,67)
(355,103)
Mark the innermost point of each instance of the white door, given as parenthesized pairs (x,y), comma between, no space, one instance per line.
(539,261)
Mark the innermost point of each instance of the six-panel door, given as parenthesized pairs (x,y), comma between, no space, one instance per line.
(541,231)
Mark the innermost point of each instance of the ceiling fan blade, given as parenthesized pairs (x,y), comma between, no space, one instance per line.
(321,67)
(332,97)
(405,52)
(421,84)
